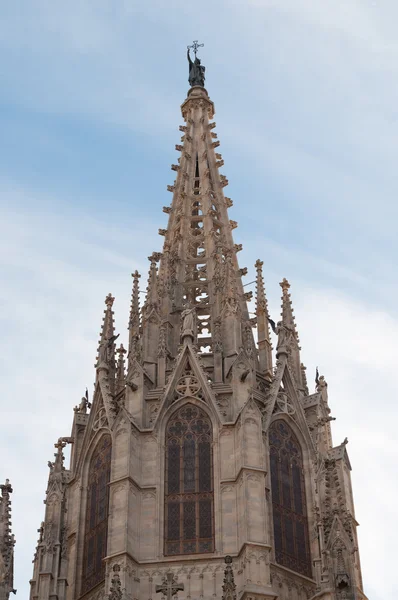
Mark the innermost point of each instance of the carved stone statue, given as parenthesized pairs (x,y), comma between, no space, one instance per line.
(84,404)
(196,71)
(104,347)
(283,332)
(188,320)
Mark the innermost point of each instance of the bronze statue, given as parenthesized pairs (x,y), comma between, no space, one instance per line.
(196,70)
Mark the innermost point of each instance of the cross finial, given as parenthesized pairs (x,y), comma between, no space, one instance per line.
(195,47)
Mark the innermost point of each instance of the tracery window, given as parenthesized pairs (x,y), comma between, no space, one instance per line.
(96,523)
(288,499)
(189,504)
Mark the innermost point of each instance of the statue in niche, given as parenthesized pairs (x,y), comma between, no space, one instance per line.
(188,321)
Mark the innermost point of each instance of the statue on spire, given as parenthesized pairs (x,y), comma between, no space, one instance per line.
(196,70)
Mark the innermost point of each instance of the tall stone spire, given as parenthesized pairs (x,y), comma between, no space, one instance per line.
(198,266)
(7,543)
(264,342)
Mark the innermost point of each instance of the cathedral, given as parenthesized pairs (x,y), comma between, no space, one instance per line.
(202,467)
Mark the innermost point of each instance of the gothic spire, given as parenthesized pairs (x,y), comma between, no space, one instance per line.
(151,319)
(134,320)
(199,266)
(292,339)
(107,333)
(107,346)
(264,341)
(7,543)
(152,298)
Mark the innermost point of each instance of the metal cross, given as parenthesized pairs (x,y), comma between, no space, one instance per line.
(169,586)
(195,47)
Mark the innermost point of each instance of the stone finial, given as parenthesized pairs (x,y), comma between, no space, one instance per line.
(115,591)
(285,285)
(109,300)
(229,587)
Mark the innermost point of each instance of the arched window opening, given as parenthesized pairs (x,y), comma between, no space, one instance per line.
(96,523)
(289,507)
(189,503)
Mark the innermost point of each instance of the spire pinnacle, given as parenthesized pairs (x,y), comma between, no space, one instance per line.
(152,289)
(288,336)
(264,342)
(134,321)
(287,310)
(106,349)
(7,541)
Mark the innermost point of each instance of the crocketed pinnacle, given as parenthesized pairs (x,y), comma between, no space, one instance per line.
(264,341)
(7,541)
(108,327)
(134,320)
(107,347)
(287,309)
(152,298)
(289,323)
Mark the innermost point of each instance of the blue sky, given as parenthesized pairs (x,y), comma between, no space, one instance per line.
(306,98)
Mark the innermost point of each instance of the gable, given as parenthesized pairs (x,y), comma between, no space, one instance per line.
(188,380)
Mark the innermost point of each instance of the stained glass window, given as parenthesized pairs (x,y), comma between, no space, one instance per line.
(189,507)
(96,523)
(288,500)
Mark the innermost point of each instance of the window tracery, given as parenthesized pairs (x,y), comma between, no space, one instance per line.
(289,506)
(189,511)
(97,508)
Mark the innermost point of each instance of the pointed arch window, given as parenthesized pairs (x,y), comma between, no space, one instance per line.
(96,522)
(289,505)
(189,497)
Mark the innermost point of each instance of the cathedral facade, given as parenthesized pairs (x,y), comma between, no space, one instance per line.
(203,466)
